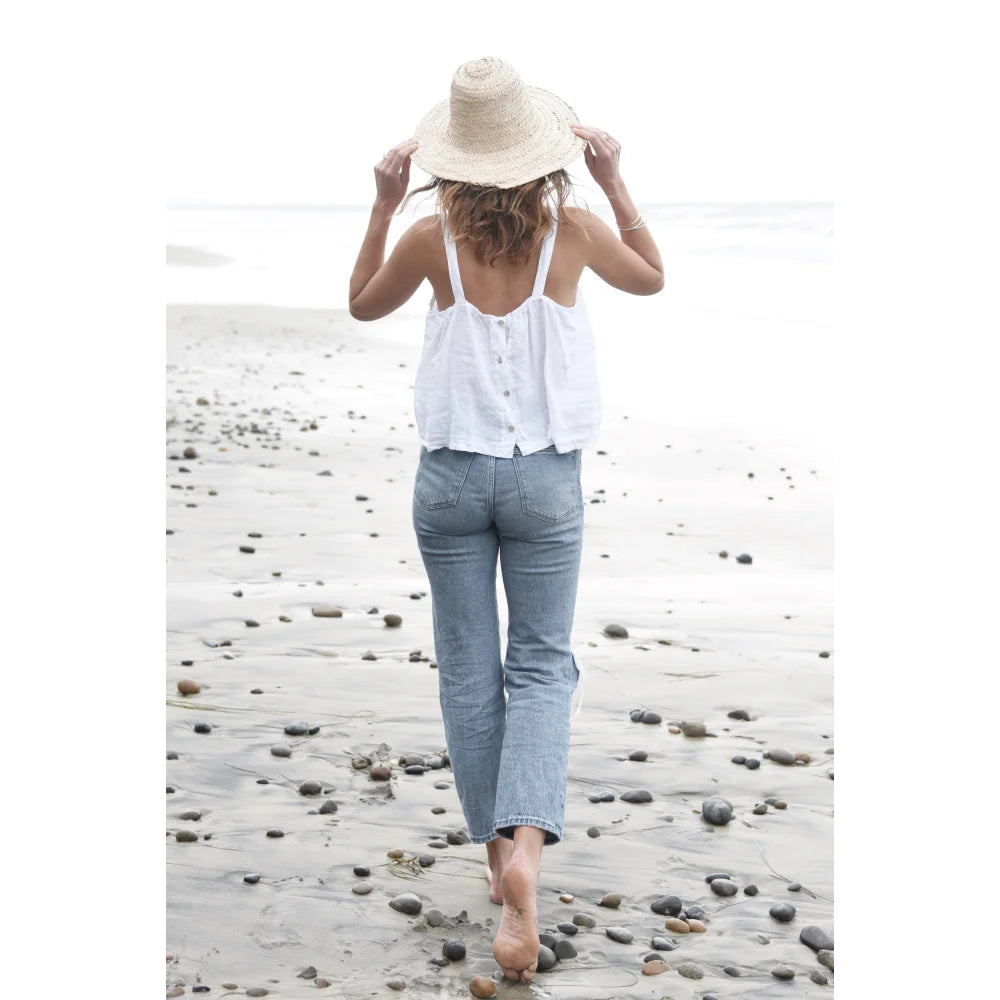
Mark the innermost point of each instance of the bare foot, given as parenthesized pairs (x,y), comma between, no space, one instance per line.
(516,945)
(498,853)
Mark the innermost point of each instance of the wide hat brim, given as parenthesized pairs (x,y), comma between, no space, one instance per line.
(551,147)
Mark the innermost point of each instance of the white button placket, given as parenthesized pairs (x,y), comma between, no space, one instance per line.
(505,337)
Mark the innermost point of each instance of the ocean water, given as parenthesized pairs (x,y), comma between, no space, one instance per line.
(741,336)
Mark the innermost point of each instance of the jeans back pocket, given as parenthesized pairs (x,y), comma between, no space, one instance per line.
(441,474)
(549,483)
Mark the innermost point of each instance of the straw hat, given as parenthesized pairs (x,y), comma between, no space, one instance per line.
(494,130)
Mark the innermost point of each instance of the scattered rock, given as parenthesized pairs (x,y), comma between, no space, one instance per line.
(696,926)
(434,917)
(185,836)
(662,944)
(694,729)
(716,810)
(825,957)
(361,888)
(393,621)
(453,950)
(818,977)
(654,968)
(750,890)
(752,763)
(251,879)
(760,809)
(667,905)
(310,788)
(380,772)
(188,686)
(783,972)
(546,959)
(740,713)
(584,920)
(616,631)
(202,727)
(785,757)
(723,887)
(637,755)
(480,986)
(281,750)
(329,806)
(406,902)
(619,934)
(689,970)
(784,912)
(611,899)
(593,831)
(564,949)
(676,925)
(637,795)
(744,558)
(816,938)
(275,833)
(326,611)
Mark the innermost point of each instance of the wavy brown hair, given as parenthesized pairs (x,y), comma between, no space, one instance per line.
(500,222)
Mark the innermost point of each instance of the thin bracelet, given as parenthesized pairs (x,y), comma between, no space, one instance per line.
(633,222)
(626,229)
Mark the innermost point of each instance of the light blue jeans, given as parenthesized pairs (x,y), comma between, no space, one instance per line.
(509,756)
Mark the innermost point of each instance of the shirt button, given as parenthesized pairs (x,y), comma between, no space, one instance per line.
(506,392)
(499,360)
(499,322)
(510,427)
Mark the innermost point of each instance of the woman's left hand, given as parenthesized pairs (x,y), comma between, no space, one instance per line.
(392,175)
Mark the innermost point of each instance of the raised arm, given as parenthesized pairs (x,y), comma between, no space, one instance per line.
(628,260)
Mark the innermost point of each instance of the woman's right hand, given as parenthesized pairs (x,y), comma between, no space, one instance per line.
(601,155)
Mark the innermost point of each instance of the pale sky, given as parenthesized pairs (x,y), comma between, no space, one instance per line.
(295,101)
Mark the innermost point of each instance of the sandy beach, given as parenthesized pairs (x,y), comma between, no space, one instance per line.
(290,433)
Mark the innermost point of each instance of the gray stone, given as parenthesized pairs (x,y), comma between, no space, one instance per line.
(723,887)
(454,950)
(396,984)
(564,949)
(546,959)
(785,757)
(783,972)
(662,944)
(816,938)
(584,920)
(740,713)
(281,750)
(299,728)
(434,917)
(406,902)
(783,912)
(310,788)
(593,831)
(616,631)
(637,795)
(694,729)
(667,906)
(689,970)
(619,934)
(328,807)
(651,718)
(361,888)
(818,977)
(567,928)
(457,837)
(825,957)
(716,810)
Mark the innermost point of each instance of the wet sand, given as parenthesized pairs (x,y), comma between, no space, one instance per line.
(706,635)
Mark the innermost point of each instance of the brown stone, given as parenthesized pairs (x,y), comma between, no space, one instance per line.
(177,991)
(188,686)
(322,983)
(611,899)
(380,772)
(655,968)
(695,729)
(677,925)
(696,926)
(482,987)
(673,729)
(566,898)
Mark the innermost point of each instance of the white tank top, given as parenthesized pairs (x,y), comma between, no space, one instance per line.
(528,377)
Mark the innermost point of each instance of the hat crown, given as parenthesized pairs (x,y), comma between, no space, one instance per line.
(491,109)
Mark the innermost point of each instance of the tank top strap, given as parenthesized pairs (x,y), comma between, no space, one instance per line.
(452,253)
(545,257)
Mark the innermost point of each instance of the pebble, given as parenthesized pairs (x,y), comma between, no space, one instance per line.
(425,860)
(437,810)
(567,928)
(584,920)
(406,902)
(275,833)
(229,986)
(655,967)
(760,809)
(380,772)
(170,789)
(711,878)
(780,804)
(457,837)
(251,879)
(689,970)
(637,755)
(667,906)
(693,729)
(637,795)
(752,764)
(694,911)
(750,890)
(480,986)
(299,728)
(818,977)
(202,727)
(740,713)
(393,621)
(361,888)
(616,631)
(437,844)
(250,623)
(716,810)
(191,814)
(785,757)
(362,871)
(676,925)
(329,806)
(673,729)
(738,759)
(434,917)
(651,718)
(783,912)
(611,899)
(723,887)
(794,886)
(396,984)
(783,972)
(257,991)
(188,686)
(442,784)
(697,927)
(636,714)
(802,758)
(177,991)
(322,983)
(453,950)
(415,769)
(185,836)
(326,611)
(564,949)
(593,831)
(310,788)
(435,763)
(566,897)
(744,558)
(731,970)
(546,959)
(816,938)
(619,934)
(825,958)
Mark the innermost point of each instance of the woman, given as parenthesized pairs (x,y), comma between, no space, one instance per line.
(506,397)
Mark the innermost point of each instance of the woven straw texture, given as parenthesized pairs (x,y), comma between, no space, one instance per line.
(494,130)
